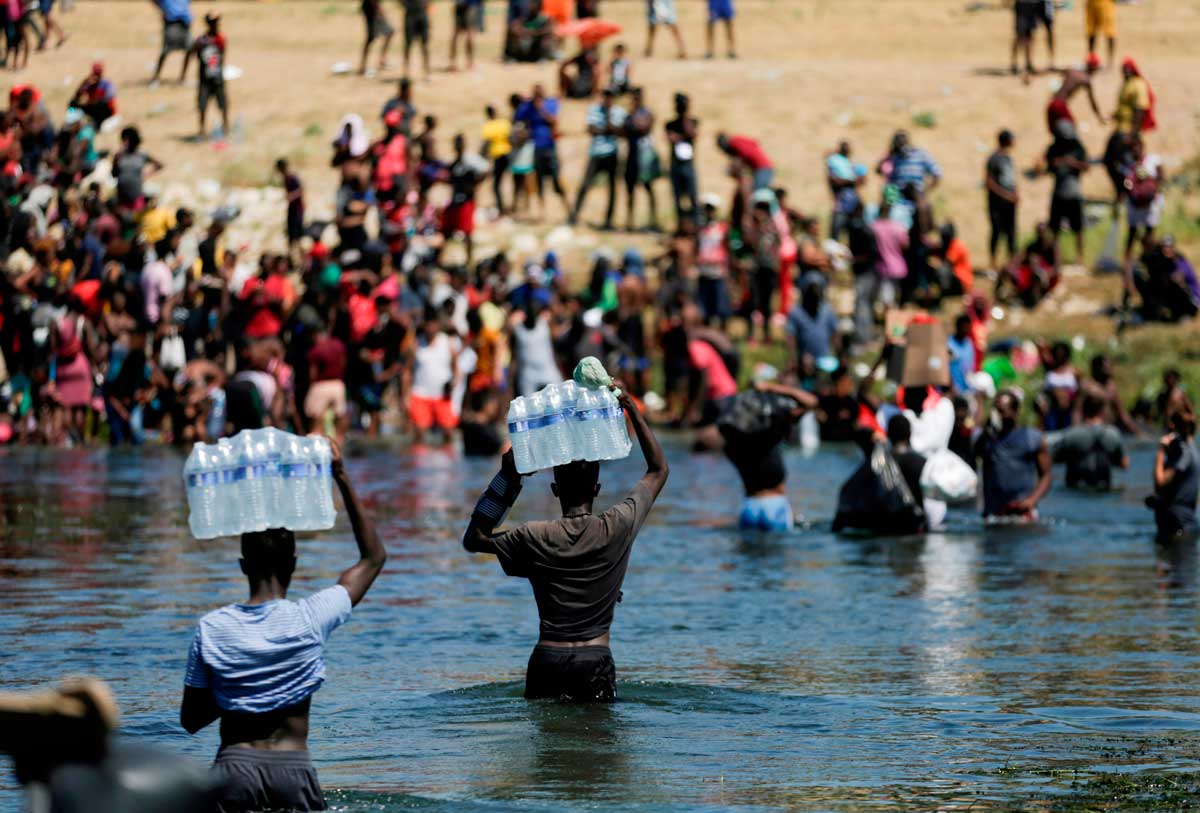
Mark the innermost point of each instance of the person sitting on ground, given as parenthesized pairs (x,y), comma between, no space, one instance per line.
(96,96)
(575,565)
(754,428)
(1091,448)
(1176,481)
(1166,282)
(1016,464)
(1033,273)
(579,76)
(255,666)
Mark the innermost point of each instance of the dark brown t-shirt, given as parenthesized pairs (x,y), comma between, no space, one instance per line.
(576,565)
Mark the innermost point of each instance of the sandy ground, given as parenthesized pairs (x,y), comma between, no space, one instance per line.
(809,73)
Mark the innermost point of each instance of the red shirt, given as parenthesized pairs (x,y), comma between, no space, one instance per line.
(267,298)
(704,357)
(328,360)
(750,151)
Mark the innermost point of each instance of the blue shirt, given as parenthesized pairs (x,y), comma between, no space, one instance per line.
(258,658)
(813,335)
(176,11)
(962,362)
(911,167)
(541,131)
(1010,470)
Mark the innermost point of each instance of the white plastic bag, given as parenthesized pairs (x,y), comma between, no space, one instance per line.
(947,477)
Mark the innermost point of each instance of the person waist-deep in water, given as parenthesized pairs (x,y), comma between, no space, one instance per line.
(1016,463)
(757,454)
(1091,449)
(1176,480)
(575,565)
(255,666)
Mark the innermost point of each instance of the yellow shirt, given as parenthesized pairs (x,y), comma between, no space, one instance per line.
(156,223)
(1134,96)
(496,133)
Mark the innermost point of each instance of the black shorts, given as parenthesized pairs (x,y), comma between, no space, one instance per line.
(1070,210)
(211,90)
(295,226)
(254,779)
(377,27)
(416,28)
(462,17)
(1031,15)
(580,674)
(545,162)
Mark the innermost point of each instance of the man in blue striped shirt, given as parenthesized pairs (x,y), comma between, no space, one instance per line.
(907,165)
(605,121)
(256,665)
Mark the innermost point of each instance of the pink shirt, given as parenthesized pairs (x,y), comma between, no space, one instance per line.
(891,240)
(156,287)
(704,357)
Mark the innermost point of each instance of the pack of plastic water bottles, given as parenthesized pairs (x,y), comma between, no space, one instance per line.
(259,479)
(566,422)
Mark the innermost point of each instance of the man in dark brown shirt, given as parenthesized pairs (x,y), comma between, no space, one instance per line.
(575,565)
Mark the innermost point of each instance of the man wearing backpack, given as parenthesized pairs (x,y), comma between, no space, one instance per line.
(209,50)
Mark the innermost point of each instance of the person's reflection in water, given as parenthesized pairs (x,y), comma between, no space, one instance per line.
(1176,560)
(579,749)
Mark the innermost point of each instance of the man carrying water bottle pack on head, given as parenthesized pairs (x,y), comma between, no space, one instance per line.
(575,565)
(255,666)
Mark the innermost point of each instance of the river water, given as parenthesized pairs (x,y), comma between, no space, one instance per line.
(757,672)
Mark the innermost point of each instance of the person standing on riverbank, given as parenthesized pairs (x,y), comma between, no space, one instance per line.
(576,565)
(256,665)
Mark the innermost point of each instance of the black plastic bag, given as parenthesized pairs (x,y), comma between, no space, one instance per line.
(877,499)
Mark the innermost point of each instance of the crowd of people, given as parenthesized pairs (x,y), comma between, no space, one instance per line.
(124,319)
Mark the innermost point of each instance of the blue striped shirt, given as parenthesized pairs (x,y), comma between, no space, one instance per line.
(604,144)
(258,658)
(912,167)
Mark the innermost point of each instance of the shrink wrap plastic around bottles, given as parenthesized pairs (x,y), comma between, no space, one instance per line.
(259,479)
(567,422)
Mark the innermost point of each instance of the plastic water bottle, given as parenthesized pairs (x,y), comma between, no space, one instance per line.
(250,483)
(326,513)
(587,424)
(230,507)
(270,441)
(201,473)
(518,434)
(538,448)
(810,431)
(557,431)
(570,401)
(295,473)
(614,436)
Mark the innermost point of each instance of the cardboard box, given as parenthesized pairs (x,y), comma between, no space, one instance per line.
(924,360)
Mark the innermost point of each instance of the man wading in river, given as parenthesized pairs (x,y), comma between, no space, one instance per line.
(256,666)
(575,564)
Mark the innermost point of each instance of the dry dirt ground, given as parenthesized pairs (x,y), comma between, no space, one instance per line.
(809,72)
